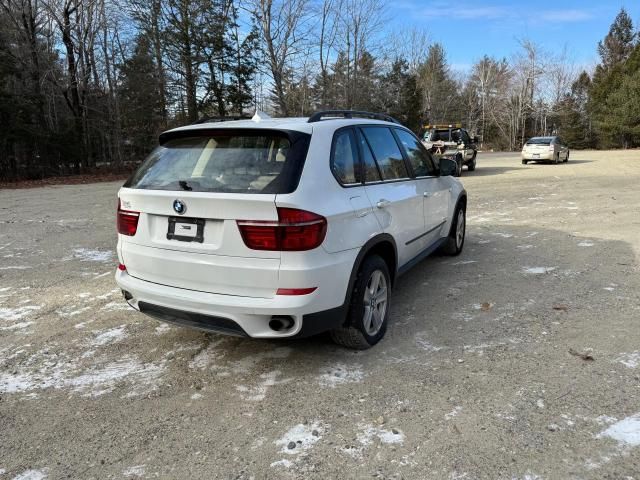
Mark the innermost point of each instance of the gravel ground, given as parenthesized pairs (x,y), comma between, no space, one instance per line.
(520,359)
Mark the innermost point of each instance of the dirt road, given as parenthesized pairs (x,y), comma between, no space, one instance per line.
(474,380)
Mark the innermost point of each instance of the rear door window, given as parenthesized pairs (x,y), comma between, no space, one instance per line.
(233,162)
(386,152)
(419,158)
(370,169)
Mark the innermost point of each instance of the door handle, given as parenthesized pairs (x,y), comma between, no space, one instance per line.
(382,203)
(427,194)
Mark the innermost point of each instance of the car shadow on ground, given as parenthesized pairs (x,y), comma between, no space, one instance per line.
(571,161)
(516,270)
(481,171)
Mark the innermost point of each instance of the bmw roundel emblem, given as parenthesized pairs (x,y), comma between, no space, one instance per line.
(179,207)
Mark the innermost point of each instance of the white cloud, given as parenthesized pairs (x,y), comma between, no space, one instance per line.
(468,11)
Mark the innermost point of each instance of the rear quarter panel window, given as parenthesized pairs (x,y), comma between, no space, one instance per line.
(344,157)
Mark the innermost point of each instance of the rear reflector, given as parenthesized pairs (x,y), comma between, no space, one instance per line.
(296,291)
(295,231)
(121,267)
(127,221)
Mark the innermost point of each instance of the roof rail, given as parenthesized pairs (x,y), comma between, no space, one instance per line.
(316,117)
(443,125)
(221,119)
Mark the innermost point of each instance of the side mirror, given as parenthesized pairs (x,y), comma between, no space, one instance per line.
(448,167)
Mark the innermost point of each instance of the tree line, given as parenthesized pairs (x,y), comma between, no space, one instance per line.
(89,84)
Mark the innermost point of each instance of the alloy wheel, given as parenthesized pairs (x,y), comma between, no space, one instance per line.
(460,226)
(375,303)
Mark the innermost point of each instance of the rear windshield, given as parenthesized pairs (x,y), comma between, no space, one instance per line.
(442,136)
(225,161)
(540,141)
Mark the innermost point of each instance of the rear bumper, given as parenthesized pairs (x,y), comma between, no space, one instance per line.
(245,316)
(541,156)
(312,324)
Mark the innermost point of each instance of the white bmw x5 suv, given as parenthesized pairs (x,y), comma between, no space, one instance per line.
(288,227)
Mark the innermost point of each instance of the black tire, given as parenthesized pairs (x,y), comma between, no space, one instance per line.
(471,166)
(524,162)
(356,335)
(453,245)
(458,160)
(566,158)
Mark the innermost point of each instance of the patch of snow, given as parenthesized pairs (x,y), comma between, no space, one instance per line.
(605,420)
(163,328)
(385,436)
(282,463)
(427,346)
(23,267)
(31,475)
(303,437)
(17,326)
(540,403)
(464,262)
(69,311)
(630,360)
(626,431)
(89,255)
(586,243)
(340,374)
(481,347)
(207,355)
(609,289)
(258,392)
(115,306)
(103,380)
(12,314)
(538,270)
(196,396)
(109,336)
(83,324)
(453,413)
(60,373)
(135,471)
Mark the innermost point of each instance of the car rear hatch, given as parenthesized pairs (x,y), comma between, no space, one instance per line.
(190,195)
(538,146)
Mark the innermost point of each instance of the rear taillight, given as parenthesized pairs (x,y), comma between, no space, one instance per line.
(295,230)
(122,267)
(127,221)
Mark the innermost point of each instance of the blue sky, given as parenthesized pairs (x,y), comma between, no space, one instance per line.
(494,27)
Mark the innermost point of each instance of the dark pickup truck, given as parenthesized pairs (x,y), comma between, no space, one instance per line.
(454,142)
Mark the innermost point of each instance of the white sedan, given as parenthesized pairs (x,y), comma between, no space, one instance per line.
(548,149)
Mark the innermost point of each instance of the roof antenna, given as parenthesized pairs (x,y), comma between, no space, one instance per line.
(259,116)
